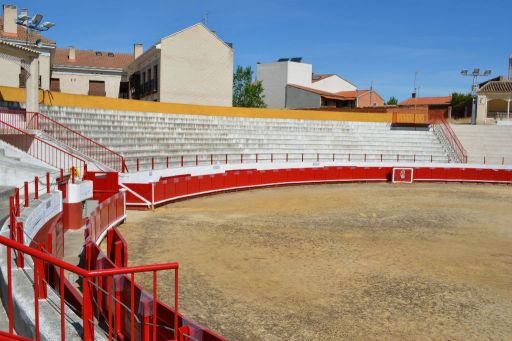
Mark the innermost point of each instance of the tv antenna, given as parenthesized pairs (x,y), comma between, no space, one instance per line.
(205,18)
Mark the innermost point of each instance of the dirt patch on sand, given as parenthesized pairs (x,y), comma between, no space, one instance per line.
(333,262)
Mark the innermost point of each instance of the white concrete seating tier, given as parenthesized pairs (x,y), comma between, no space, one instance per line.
(494,142)
(145,135)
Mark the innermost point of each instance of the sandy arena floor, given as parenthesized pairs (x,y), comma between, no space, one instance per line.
(338,262)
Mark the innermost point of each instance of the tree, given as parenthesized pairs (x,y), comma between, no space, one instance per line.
(247,93)
(392,101)
(458,98)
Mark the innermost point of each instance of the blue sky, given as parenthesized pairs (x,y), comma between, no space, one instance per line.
(384,41)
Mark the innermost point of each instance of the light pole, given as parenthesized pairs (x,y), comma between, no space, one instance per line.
(474,88)
(33,24)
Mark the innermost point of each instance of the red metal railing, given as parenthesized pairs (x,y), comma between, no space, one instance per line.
(16,118)
(89,277)
(77,141)
(39,149)
(450,136)
(217,159)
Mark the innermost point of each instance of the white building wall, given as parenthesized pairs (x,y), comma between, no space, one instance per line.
(77,83)
(9,73)
(275,76)
(333,84)
(196,68)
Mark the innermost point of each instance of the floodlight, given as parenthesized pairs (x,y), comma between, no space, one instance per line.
(464,72)
(23,18)
(476,71)
(487,72)
(36,20)
(48,24)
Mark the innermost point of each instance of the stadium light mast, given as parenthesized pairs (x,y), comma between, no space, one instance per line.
(474,87)
(33,24)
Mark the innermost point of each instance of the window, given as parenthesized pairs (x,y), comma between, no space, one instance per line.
(155,68)
(97,88)
(99,54)
(54,84)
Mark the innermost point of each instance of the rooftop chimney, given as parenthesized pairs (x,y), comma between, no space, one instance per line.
(10,16)
(24,12)
(71,53)
(414,94)
(137,50)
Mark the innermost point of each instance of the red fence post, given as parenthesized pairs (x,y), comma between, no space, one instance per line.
(17,200)
(302,156)
(332,157)
(430,158)
(226,159)
(36,188)
(271,157)
(87,310)
(211,159)
(414,158)
(364,157)
(349,157)
(197,160)
(380,157)
(286,157)
(484,160)
(503,160)
(317,157)
(241,158)
(397,157)
(73,174)
(47,182)
(181,161)
(167,162)
(138,164)
(20,239)
(152,163)
(256,157)
(25,190)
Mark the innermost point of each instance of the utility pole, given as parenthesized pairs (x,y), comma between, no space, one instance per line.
(371,94)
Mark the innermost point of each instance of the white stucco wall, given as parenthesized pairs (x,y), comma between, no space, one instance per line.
(333,84)
(196,68)
(275,76)
(78,83)
(9,73)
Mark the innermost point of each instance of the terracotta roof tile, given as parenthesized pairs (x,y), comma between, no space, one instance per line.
(90,58)
(355,93)
(318,77)
(446,100)
(497,86)
(22,35)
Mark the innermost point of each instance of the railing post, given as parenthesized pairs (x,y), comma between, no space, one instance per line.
(302,157)
(152,163)
(349,157)
(241,158)
(503,160)
(73,174)
(85,169)
(364,157)
(17,201)
(167,162)
(211,159)
(332,157)
(123,165)
(286,157)
(25,190)
(226,159)
(271,157)
(430,158)
(414,158)
(138,164)
(182,161)
(380,157)
(397,157)
(197,160)
(47,182)
(317,157)
(20,239)
(36,188)
(484,159)
(256,157)
(87,310)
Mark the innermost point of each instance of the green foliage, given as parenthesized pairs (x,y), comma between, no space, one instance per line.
(392,101)
(458,98)
(247,93)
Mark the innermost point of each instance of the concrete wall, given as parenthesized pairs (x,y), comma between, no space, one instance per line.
(275,76)
(9,73)
(333,84)
(298,98)
(78,83)
(196,68)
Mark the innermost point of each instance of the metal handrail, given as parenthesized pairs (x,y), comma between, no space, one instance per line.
(52,160)
(116,161)
(451,137)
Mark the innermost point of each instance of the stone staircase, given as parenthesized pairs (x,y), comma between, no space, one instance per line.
(146,135)
(494,142)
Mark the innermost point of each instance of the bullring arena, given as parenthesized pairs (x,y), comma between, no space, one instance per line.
(154,221)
